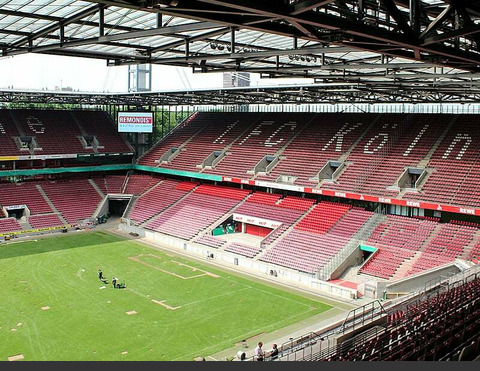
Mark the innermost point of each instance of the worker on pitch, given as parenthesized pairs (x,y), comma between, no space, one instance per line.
(116,284)
(100,276)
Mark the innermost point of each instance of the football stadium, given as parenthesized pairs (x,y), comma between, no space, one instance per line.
(331,212)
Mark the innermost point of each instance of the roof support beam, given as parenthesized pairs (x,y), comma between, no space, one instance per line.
(460,7)
(348,25)
(189,27)
(232,40)
(55,27)
(256,54)
(204,36)
(415,16)
(307,5)
(101,21)
(122,36)
(59,19)
(398,16)
(433,26)
(451,35)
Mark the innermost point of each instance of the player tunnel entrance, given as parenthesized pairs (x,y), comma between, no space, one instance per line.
(117,207)
(16,211)
(113,206)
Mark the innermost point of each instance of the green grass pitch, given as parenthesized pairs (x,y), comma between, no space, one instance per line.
(183,309)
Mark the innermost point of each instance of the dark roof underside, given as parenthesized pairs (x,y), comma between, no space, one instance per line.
(354,50)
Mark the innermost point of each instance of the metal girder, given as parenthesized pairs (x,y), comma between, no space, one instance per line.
(450,35)
(302,22)
(108,39)
(306,5)
(445,54)
(197,26)
(59,20)
(398,16)
(461,8)
(54,27)
(433,26)
(259,54)
(315,94)
(350,37)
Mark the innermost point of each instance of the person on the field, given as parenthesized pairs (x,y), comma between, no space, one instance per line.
(114,282)
(100,275)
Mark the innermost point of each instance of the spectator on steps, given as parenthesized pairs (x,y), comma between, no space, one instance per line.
(259,353)
(274,352)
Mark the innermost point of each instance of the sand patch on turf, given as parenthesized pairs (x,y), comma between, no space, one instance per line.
(203,272)
(197,269)
(16,358)
(131,312)
(162,303)
(46,307)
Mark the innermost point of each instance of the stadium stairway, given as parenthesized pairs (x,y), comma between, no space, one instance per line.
(229,213)
(424,162)
(347,153)
(151,219)
(406,266)
(125,182)
(100,207)
(25,225)
(97,188)
(182,146)
(471,245)
(236,139)
(361,235)
(15,121)
(214,225)
(131,205)
(78,122)
(152,152)
(281,150)
(363,177)
(50,203)
(431,237)
(210,228)
(135,197)
(285,233)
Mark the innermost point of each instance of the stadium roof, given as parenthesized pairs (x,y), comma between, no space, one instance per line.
(281,94)
(361,49)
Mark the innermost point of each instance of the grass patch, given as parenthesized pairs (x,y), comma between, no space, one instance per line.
(87,322)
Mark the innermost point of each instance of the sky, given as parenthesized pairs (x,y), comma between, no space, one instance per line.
(46,72)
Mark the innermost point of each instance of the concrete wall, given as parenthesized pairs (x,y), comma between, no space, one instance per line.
(353,259)
(417,281)
(102,209)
